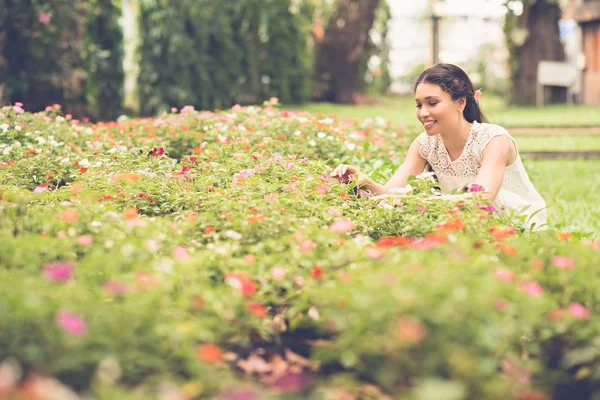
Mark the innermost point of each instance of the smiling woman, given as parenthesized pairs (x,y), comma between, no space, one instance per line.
(461,148)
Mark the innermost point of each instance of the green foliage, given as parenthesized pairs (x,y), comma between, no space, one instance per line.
(213,54)
(65,52)
(104,59)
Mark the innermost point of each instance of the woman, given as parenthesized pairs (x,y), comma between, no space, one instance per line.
(460,147)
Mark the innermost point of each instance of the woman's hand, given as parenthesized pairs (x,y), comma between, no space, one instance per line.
(344,173)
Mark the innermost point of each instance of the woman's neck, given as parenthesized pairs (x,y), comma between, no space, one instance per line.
(455,140)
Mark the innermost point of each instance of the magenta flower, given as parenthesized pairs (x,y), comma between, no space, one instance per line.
(563,262)
(477,94)
(70,322)
(578,311)
(59,272)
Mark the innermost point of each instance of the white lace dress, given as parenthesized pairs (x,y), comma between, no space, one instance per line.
(517,191)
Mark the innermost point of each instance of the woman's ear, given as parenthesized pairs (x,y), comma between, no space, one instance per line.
(461,103)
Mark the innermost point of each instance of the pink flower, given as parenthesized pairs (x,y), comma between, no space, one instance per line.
(85,240)
(341,226)
(115,287)
(59,272)
(41,188)
(333,211)
(249,259)
(290,166)
(578,311)
(322,189)
(271,197)
(504,275)
(422,209)
(307,246)
(71,323)
(373,252)
(180,254)
(563,262)
(477,94)
(45,18)
(531,288)
(278,273)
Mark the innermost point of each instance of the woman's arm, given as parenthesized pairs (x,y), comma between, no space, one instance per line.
(495,157)
(414,164)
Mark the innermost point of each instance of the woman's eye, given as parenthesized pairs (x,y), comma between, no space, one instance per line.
(432,104)
(418,106)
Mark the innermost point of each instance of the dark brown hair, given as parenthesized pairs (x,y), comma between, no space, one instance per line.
(455,81)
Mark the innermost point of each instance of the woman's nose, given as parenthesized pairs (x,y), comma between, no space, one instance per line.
(423,112)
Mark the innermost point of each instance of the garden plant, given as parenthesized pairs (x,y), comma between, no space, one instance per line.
(211,255)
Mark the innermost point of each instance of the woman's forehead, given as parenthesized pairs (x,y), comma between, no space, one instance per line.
(426,89)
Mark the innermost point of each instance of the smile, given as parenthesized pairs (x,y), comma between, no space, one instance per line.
(428,123)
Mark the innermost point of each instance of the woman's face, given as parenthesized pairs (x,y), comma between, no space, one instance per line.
(436,110)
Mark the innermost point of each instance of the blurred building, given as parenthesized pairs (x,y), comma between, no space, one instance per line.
(470,34)
(587,15)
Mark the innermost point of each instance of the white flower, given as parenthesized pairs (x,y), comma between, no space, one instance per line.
(404,190)
(327,121)
(84,162)
(232,235)
(18,128)
(321,135)
(298,133)
(312,142)
(351,146)
(425,175)
(95,224)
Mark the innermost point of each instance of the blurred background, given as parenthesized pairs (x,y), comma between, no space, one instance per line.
(101,59)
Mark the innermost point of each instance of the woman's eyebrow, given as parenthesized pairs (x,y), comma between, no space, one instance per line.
(426,98)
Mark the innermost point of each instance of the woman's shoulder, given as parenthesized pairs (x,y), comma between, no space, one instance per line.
(487,129)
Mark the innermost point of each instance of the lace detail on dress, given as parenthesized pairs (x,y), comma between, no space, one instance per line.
(517,191)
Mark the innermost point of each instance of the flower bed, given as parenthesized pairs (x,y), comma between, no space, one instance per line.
(202,255)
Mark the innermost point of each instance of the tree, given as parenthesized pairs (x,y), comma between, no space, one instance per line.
(532,37)
(338,61)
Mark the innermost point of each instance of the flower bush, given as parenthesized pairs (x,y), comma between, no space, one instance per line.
(212,255)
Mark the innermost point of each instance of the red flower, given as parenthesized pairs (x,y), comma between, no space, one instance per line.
(256,309)
(317,272)
(242,283)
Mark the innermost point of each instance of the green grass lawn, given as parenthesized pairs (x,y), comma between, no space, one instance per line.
(570,188)
(401,110)
(558,143)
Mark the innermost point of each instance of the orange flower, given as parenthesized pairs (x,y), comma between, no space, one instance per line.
(132,213)
(126,176)
(209,353)
(454,224)
(564,235)
(536,264)
(70,215)
(255,219)
(208,230)
(506,249)
(76,188)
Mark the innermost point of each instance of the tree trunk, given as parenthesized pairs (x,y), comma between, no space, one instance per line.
(337,65)
(539,26)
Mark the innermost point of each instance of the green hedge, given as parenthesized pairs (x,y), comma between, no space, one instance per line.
(214,54)
(66,52)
